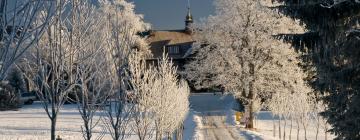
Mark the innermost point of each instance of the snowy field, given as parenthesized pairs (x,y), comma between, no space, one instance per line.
(210,118)
(31,123)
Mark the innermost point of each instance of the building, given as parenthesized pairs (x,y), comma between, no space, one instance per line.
(176,44)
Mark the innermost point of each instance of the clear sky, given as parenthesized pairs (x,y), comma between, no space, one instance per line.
(170,14)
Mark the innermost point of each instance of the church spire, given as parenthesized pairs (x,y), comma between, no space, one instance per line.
(189,18)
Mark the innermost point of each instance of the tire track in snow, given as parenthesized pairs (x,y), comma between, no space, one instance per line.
(212,110)
(215,128)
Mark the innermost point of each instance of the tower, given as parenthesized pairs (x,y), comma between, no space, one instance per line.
(189,18)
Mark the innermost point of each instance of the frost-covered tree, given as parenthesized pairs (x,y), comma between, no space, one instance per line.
(171,101)
(143,82)
(291,86)
(53,61)
(161,99)
(242,55)
(121,28)
(91,93)
(318,119)
(20,29)
(92,75)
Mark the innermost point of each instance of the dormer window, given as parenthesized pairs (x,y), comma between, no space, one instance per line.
(173,49)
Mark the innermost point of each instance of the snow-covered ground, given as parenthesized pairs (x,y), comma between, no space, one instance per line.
(218,121)
(264,124)
(210,118)
(217,118)
(31,123)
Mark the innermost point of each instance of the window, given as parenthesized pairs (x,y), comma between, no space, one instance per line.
(173,49)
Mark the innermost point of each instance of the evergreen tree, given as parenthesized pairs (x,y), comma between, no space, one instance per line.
(331,46)
(16,80)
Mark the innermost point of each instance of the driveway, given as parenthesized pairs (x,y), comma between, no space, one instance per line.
(217,122)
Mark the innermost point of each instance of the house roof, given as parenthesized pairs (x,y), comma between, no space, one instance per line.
(169,37)
(158,39)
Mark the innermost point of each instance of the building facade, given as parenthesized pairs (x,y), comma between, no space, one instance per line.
(177,44)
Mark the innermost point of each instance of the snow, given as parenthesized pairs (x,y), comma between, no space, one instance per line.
(31,123)
(215,120)
(264,125)
(192,125)
(210,116)
(218,108)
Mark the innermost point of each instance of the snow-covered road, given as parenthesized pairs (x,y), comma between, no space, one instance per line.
(216,128)
(216,117)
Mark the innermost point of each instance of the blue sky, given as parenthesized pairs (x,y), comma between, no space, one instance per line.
(170,14)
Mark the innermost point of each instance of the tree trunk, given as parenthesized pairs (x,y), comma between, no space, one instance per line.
(170,136)
(176,136)
(305,131)
(291,126)
(53,118)
(279,127)
(284,129)
(326,129)
(298,129)
(180,131)
(317,129)
(86,117)
(88,131)
(116,134)
(158,136)
(274,127)
(250,123)
(53,128)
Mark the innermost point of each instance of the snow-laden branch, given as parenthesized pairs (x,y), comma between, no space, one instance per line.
(161,99)
(20,28)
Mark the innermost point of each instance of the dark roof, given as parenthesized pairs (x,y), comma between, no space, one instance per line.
(172,37)
(158,39)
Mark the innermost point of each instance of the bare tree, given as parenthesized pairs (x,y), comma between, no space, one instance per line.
(20,28)
(53,65)
(91,67)
(92,93)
